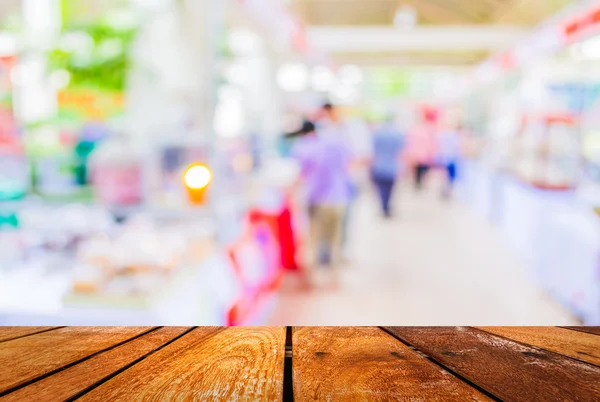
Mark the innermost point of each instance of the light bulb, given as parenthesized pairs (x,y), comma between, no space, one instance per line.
(197,177)
(351,74)
(322,79)
(244,42)
(405,17)
(293,78)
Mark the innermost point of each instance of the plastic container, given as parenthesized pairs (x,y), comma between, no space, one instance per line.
(15,177)
(117,173)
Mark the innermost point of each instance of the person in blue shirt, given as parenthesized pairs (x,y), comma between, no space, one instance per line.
(449,154)
(388,144)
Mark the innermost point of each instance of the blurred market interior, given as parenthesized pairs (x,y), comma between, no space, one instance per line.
(148,175)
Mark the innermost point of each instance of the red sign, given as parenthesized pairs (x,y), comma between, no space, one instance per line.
(299,40)
(277,18)
(118,185)
(542,43)
(8,127)
(506,60)
(256,259)
(583,25)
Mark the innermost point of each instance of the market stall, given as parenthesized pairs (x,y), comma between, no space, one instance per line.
(544,191)
(99,222)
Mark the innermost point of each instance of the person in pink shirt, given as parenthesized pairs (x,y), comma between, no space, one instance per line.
(422,147)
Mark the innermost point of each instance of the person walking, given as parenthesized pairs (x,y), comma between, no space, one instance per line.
(388,143)
(449,153)
(422,147)
(324,164)
(331,124)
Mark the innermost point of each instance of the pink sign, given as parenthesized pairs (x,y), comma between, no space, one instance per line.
(118,185)
(578,26)
(583,25)
(277,18)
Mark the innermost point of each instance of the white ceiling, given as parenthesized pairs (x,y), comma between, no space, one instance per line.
(448,31)
(430,12)
(432,38)
(8,8)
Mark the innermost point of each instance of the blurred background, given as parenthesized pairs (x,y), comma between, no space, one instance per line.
(146,177)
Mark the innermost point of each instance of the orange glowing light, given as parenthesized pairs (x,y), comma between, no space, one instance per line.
(197,177)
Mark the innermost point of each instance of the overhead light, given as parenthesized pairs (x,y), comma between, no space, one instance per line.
(229,116)
(351,74)
(293,77)
(60,79)
(405,17)
(345,94)
(590,49)
(322,79)
(244,42)
(8,44)
(150,5)
(237,74)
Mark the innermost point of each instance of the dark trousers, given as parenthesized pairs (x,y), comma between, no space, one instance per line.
(385,188)
(452,173)
(420,172)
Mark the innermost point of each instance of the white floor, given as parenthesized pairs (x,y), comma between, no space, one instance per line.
(435,263)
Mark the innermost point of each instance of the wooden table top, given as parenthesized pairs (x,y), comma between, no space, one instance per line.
(300,363)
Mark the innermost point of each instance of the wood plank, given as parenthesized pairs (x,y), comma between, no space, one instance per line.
(10,333)
(69,382)
(506,369)
(25,359)
(207,364)
(578,345)
(365,363)
(589,330)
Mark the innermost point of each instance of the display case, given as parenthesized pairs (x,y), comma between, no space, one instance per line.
(547,152)
(589,189)
(75,265)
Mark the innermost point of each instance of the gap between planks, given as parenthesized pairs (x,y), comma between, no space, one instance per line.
(128,366)
(587,330)
(53,372)
(288,370)
(507,369)
(30,333)
(539,347)
(442,366)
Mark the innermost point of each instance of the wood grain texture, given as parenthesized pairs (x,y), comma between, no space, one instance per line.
(589,330)
(578,345)
(504,368)
(207,364)
(25,359)
(69,382)
(9,333)
(367,364)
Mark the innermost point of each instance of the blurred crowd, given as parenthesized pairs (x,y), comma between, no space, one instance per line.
(331,152)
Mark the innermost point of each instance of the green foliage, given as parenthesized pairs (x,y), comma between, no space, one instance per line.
(388,82)
(12,23)
(100,59)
